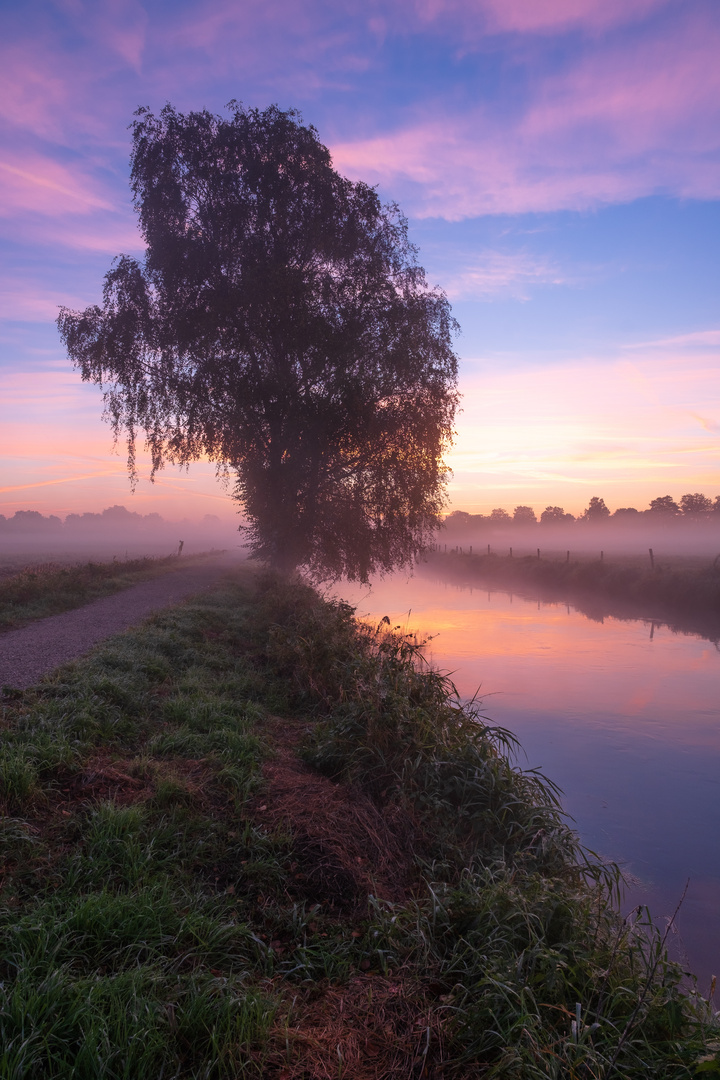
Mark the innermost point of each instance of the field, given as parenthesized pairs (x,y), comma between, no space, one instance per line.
(257,838)
(42,589)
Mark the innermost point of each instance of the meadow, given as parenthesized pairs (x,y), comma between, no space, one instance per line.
(38,590)
(258,838)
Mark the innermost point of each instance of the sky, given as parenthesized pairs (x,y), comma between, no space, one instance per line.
(559,163)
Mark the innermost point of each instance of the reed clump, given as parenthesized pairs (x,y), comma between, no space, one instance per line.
(256,838)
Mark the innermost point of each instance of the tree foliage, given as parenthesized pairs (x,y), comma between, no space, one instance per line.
(281,326)
(553,515)
(597,510)
(664,504)
(695,504)
(524,515)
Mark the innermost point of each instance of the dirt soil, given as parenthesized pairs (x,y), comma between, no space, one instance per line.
(346,848)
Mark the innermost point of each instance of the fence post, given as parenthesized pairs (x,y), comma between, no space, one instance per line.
(511,553)
(538,551)
(567,557)
(652,559)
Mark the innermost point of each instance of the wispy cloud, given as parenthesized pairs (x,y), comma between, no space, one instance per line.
(44,186)
(496,273)
(61,480)
(707,423)
(533,16)
(30,302)
(623,121)
(699,338)
(620,430)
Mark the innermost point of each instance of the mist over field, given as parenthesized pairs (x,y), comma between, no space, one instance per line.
(31,537)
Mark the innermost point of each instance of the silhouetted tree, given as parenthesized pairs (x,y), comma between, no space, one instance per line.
(553,515)
(597,511)
(524,515)
(626,512)
(281,326)
(695,504)
(500,516)
(664,505)
(716,505)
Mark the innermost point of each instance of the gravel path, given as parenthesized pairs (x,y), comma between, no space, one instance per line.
(33,651)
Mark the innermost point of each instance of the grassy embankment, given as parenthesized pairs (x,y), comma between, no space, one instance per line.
(253,838)
(49,588)
(672,595)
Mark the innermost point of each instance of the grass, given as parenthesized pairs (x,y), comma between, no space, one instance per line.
(49,588)
(257,838)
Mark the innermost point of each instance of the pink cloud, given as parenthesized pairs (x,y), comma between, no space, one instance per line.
(622,123)
(33,303)
(464,169)
(36,183)
(699,338)
(636,98)
(30,91)
(121,25)
(537,16)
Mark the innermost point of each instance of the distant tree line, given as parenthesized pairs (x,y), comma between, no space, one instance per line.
(115,518)
(695,508)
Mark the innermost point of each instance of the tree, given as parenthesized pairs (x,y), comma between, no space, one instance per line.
(553,515)
(458,517)
(597,511)
(524,515)
(695,504)
(281,326)
(500,516)
(664,505)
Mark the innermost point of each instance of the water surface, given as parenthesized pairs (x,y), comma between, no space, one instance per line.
(622,714)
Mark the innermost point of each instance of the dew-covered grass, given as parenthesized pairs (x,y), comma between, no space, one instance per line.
(257,838)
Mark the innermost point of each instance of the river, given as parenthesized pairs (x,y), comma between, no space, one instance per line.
(622,714)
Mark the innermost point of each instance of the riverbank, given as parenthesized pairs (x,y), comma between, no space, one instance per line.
(256,838)
(683,598)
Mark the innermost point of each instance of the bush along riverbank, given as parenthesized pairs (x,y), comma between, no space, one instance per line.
(682,598)
(255,838)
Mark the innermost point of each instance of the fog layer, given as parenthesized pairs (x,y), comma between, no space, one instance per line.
(28,536)
(635,536)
